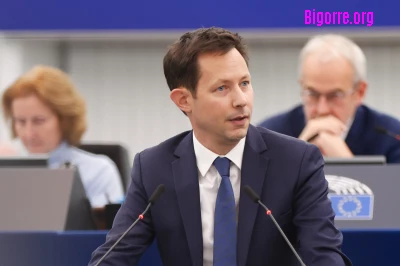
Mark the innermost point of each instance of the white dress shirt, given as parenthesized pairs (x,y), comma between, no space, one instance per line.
(209,181)
(99,174)
(348,124)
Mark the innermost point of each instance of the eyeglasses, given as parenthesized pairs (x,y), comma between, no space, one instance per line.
(311,97)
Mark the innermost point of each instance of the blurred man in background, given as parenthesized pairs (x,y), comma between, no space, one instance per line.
(332,75)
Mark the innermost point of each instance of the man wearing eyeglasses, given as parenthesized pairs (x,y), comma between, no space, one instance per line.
(332,75)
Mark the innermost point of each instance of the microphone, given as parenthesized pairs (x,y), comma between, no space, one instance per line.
(387,132)
(313,137)
(154,197)
(253,195)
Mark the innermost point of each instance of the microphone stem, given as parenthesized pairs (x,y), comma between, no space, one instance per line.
(282,233)
(124,234)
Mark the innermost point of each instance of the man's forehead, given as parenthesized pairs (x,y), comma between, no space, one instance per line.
(225,77)
(327,83)
(223,74)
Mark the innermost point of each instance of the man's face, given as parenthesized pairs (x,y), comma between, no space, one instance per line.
(222,107)
(328,88)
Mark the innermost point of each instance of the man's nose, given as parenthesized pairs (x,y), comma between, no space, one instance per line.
(323,107)
(240,98)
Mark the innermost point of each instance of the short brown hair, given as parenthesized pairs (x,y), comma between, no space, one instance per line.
(54,88)
(180,63)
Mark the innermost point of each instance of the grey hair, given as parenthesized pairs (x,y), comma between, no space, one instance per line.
(333,45)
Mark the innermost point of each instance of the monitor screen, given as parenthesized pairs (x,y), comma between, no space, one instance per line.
(361,159)
(23,161)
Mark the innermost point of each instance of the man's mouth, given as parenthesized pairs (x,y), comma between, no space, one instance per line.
(239,118)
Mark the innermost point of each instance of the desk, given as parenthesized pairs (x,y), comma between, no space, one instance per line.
(375,248)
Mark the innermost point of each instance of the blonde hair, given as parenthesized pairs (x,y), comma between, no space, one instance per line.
(54,88)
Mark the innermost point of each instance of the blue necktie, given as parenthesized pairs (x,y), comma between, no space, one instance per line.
(225,218)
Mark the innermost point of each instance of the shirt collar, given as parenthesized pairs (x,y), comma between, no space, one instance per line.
(205,157)
(60,154)
(348,125)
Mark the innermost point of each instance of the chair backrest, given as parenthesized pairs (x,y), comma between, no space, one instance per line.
(117,153)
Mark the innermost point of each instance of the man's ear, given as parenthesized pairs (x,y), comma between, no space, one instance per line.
(361,91)
(182,98)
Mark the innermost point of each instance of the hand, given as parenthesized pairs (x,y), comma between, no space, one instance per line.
(331,145)
(328,124)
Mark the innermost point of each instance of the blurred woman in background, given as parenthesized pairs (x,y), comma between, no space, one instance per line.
(49,116)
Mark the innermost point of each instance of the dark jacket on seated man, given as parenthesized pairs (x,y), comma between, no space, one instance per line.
(363,138)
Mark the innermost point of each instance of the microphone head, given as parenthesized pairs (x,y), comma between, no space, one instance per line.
(157,193)
(253,195)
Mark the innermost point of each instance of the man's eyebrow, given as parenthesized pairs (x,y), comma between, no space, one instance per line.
(246,76)
(330,91)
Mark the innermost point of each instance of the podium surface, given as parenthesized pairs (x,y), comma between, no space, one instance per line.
(72,248)
(366,196)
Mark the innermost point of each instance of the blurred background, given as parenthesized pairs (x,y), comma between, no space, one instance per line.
(114,52)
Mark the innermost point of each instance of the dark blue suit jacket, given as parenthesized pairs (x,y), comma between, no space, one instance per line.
(287,174)
(362,139)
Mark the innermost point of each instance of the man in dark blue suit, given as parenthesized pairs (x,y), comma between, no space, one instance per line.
(204,218)
(333,80)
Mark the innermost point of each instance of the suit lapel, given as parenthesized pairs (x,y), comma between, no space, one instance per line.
(188,196)
(254,168)
(297,122)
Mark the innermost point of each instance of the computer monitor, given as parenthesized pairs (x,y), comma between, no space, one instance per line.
(360,159)
(43,199)
(24,161)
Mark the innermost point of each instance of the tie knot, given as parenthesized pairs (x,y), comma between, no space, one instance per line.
(223,165)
